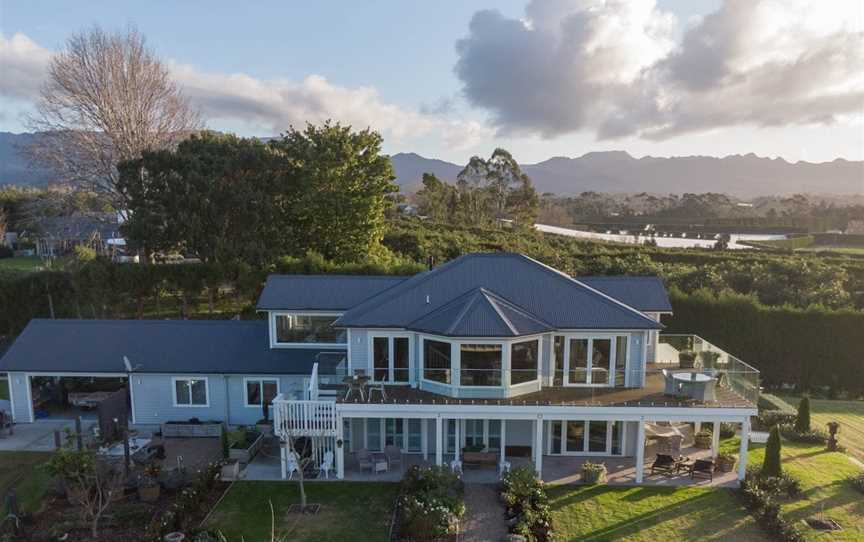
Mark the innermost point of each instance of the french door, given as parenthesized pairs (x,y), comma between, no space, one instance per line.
(405,433)
(591,360)
(391,358)
(585,437)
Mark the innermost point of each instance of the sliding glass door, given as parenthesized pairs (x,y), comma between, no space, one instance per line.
(589,361)
(581,437)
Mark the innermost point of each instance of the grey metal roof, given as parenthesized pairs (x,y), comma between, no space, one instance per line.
(321,292)
(158,346)
(479,313)
(648,294)
(545,293)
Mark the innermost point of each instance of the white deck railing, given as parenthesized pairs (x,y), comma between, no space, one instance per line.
(303,418)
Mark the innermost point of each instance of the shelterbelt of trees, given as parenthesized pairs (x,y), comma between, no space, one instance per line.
(797,318)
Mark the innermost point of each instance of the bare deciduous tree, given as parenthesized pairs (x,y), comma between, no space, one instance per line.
(107,99)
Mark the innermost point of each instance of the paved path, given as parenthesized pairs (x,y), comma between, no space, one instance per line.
(484,514)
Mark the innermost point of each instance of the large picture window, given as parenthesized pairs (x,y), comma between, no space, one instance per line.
(261,390)
(190,392)
(308,328)
(524,362)
(436,361)
(480,365)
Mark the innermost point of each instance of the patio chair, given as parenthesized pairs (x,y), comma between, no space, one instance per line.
(364,457)
(394,455)
(671,388)
(703,468)
(379,387)
(327,465)
(664,463)
(706,392)
(292,465)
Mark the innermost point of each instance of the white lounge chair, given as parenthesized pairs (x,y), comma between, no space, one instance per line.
(292,465)
(327,465)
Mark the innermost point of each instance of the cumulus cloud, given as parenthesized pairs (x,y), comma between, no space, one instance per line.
(262,105)
(618,68)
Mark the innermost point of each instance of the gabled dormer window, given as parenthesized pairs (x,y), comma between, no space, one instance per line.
(306,329)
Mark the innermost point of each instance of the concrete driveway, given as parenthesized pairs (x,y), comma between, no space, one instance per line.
(38,436)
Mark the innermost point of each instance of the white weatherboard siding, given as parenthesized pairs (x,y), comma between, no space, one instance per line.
(19,396)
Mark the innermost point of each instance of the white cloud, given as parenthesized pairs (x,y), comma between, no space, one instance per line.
(263,106)
(613,67)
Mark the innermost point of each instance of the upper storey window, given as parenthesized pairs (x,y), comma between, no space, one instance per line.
(308,329)
(524,362)
(436,361)
(480,364)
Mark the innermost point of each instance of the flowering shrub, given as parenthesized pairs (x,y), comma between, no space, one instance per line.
(527,505)
(431,503)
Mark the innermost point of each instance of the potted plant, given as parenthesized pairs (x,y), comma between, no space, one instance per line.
(593,473)
(709,358)
(148,483)
(264,425)
(687,359)
(703,440)
(725,462)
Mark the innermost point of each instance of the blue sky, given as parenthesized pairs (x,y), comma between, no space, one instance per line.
(405,53)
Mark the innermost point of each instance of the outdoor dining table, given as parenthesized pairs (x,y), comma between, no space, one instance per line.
(691,384)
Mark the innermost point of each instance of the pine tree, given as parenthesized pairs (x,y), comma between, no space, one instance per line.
(771,465)
(802,422)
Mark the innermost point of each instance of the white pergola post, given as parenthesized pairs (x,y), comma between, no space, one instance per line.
(503,440)
(715,440)
(283,457)
(456,442)
(439,447)
(640,451)
(697,426)
(340,448)
(742,453)
(424,437)
(538,446)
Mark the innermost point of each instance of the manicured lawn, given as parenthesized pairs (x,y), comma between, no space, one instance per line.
(850,415)
(651,514)
(24,263)
(349,511)
(19,470)
(4,389)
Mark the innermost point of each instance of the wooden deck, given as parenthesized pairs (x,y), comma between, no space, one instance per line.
(651,395)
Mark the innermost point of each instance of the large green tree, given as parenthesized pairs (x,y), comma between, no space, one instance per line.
(332,187)
(212,197)
(497,188)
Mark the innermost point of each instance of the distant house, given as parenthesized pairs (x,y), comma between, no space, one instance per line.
(60,235)
(855,227)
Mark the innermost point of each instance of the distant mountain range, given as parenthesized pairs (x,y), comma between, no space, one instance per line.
(615,171)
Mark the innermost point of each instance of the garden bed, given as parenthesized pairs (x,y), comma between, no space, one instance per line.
(244,445)
(191,429)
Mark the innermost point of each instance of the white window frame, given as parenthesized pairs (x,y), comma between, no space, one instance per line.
(175,379)
(612,337)
(537,376)
(260,380)
(275,343)
(391,357)
(505,363)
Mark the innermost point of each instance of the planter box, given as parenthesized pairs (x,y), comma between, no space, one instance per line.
(702,441)
(191,430)
(594,476)
(245,455)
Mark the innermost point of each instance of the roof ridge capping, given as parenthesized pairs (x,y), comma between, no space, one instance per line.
(603,296)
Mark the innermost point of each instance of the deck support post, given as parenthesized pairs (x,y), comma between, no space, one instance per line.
(340,448)
(697,426)
(424,437)
(457,423)
(742,453)
(640,451)
(503,440)
(283,457)
(538,446)
(439,447)
(715,440)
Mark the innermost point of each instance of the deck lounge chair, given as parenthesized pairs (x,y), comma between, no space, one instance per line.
(394,455)
(364,457)
(703,468)
(664,463)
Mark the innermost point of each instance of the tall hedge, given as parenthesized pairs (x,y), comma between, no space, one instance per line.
(808,348)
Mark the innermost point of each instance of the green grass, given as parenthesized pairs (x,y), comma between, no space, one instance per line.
(21,264)
(4,389)
(823,477)
(850,415)
(349,511)
(650,514)
(19,470)
(854,251)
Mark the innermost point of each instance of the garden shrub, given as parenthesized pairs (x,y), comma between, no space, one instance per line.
(759,492)
(771,466)
(802,420)
(527,505)
(769,418)
(857,482)
(431,503)
(814,436)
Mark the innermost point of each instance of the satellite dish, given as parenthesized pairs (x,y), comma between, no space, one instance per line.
(127,364)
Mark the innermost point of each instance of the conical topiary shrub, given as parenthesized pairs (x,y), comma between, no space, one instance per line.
(771,465)
(802,421)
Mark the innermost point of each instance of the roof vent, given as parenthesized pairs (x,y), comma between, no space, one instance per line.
(428,300)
